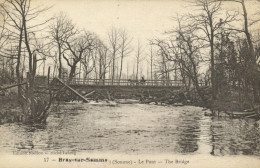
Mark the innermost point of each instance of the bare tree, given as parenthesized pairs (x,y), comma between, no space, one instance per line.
(22,16)
(209,23)
(253,71)
(13,21)
(183,49)
(139,58)
(125,49)
(104,60)
(151,62)
(163,66)
(78,47)
(190,47)
(114,46)
(61,30)
(4,34)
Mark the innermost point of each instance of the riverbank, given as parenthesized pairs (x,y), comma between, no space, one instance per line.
(231,103)
(226,104)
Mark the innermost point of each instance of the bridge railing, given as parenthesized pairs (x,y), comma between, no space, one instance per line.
(125,82)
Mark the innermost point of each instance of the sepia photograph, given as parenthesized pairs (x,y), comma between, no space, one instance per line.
(130,83)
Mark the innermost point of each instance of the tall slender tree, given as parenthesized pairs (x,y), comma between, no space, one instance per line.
(124,50)
(114,46)
(139,58)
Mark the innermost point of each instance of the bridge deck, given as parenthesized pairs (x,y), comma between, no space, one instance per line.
(124,82)
(122,89)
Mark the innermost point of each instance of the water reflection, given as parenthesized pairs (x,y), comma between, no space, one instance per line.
(188,132)
(235,137)
(137,129)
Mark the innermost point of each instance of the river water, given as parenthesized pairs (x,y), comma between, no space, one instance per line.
(134,129)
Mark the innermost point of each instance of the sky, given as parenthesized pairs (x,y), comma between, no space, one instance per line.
(142,19)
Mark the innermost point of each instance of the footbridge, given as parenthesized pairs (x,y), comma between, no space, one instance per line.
(115,89)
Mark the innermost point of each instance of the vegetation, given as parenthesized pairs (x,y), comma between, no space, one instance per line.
(233,72)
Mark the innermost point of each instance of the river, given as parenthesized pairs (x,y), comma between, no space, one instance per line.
(134,129)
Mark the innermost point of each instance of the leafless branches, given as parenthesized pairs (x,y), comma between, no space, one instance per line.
(78,47)
(125,48)
(139,58)
(114,46)
(60,31)
(183,49)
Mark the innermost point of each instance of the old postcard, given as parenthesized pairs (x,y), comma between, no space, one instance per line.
(130,83)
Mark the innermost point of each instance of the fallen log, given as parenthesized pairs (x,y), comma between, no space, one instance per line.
(8,87)
(73,90)
(241,113)
(90,93)
(252,114)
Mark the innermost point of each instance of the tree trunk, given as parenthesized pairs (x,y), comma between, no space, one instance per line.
(72,72)
(18,65)
(31,74)
(113,67)
(60,63)
(137,69)
(151,64)
(121,67)
(212,60)
(253,66)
